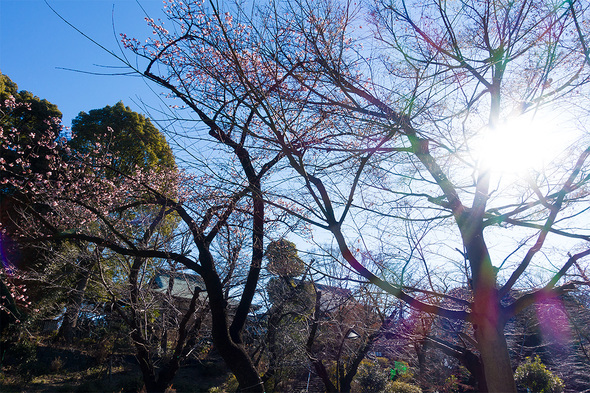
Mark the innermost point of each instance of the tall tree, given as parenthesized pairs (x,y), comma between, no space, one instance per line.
(383,129)
(22,154)
(90,203)
(454,72)
(132,144)
(131,138)
(290,304)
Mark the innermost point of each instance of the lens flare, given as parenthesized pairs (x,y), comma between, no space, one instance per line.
(7,253)
(553,319)
(521,144)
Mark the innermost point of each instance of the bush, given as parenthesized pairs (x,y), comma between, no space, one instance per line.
(56,364)
(283,259)
(534,376)
(230,385)
(401,387)
(401,372)
(22,355)
(370,378)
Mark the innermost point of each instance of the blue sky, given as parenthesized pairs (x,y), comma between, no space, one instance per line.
(35,44)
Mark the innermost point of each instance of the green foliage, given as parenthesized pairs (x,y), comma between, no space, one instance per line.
(230,385)
(22,353)
(293,296)
(374,377)
(534,376)
(131,138)
(7,87)
(399,370)
(32,112)
(370,378)
(283,259)
(28,125)
(36,122)
(402,387)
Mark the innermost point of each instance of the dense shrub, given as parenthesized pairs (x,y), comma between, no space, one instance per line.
(230,385)
(370,378)
(534,376)
(401,387)
(56,364)
(374,377)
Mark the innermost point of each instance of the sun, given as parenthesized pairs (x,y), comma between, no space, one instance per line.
(520,145)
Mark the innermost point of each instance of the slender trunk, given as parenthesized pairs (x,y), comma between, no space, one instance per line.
(168,372)
(320,369)
(145,364)
(69,324)
(254,272)
(317,363)
(135,323)
(275,314)
(346,381)
(234,354)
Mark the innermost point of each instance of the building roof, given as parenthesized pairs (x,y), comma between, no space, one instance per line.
(183,285)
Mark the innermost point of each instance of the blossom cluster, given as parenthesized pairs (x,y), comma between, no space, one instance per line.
(54,189)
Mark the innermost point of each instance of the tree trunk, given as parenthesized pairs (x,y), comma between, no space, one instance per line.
(168,372)
(145,365)
(495,358)
(346,381)
(488,325)
(233,354)
(487,319)
(69,324)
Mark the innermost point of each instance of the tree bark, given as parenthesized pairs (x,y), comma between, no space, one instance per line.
(487,315)
(233,354)
(69,324)
(468,359)
(494,357)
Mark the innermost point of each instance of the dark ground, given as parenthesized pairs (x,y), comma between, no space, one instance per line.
(53,368)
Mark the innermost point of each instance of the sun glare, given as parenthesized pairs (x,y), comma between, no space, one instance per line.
(520,145)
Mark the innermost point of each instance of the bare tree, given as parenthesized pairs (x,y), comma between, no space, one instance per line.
(387,132)
(382,128)
(401,119)
(81,204)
